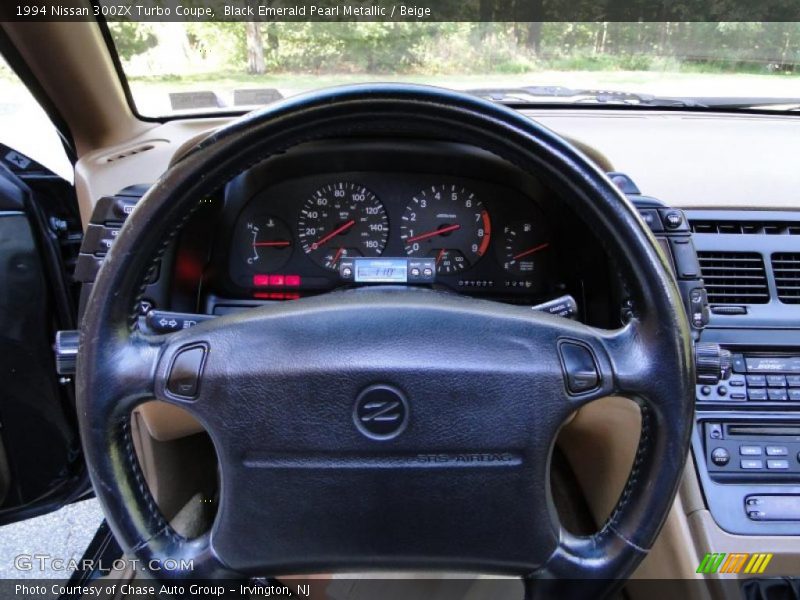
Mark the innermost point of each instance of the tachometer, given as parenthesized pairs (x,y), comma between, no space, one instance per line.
(342,219)
(446,222)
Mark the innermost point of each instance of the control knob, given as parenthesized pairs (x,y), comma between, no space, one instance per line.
(712,363)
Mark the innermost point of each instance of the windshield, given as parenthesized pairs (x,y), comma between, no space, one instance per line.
(178,67)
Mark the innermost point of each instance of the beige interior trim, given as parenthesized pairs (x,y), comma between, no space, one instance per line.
(600,444)
(166,422)
(76,71)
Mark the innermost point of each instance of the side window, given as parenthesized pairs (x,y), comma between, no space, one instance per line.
(25,127)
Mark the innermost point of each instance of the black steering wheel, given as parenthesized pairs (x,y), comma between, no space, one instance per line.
(390,427)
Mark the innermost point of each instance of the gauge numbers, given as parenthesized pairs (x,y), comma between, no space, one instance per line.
(446,222)
(339,220)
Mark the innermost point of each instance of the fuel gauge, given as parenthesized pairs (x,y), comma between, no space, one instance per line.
(525,242)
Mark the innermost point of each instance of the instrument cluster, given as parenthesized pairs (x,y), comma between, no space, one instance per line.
(292,238)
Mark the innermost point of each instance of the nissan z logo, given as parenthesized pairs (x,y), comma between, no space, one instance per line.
(381,412)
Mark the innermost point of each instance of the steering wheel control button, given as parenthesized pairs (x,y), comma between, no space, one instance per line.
(184,375)
(381,412)
(579,366)
(720,457)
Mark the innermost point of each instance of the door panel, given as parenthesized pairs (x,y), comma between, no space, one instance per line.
(40,460)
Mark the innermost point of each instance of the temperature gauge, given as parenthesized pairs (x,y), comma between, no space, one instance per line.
(264,243)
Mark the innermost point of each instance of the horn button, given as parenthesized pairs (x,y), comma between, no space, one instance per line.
(381,412)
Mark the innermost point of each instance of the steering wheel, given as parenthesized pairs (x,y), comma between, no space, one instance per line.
(387,427)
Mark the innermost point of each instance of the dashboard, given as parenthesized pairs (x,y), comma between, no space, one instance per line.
(339,214)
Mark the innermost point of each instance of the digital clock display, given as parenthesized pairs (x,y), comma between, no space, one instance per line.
(385,270)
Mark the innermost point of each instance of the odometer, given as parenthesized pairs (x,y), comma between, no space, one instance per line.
(339,220)
(446,222)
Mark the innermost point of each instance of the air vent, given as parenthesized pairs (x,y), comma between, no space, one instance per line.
(750,227)
(786,270)
(131,152)
(734,277)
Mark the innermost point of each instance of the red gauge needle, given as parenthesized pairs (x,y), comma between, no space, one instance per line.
(279,244)
(441,231)
(531,250)
(440,256)
(336,256)
(333,233)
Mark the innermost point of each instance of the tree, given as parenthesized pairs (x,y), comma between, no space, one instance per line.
(131,38)
(256,65)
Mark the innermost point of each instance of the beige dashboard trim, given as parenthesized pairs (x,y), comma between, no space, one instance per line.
(685,160)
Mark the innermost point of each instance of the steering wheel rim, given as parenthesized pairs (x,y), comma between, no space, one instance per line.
(120,367)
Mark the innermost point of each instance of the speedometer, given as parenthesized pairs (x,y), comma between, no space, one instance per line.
(340,220)
(446,222)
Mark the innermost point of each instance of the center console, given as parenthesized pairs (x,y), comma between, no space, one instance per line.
(739,274)
(746,444)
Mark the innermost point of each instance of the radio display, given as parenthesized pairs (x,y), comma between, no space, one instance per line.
(377,270)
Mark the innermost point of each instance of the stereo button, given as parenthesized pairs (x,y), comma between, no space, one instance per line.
(777,464)
(751,463)
(794,395)
(750,450)
(776,381)
(777,451)
(793,380)
(756,381)
(778,395)
(720,457)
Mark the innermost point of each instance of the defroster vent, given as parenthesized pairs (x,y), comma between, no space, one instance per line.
(734,277)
